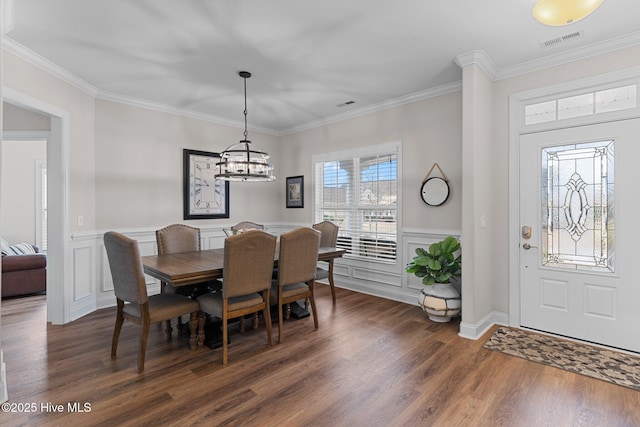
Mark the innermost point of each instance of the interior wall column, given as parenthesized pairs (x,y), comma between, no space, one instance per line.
(477,190)
(3,25)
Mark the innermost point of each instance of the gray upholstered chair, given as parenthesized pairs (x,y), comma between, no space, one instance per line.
(328,238)
(246,282)
(297,262)
(246,225)
(133,302)
(177,238)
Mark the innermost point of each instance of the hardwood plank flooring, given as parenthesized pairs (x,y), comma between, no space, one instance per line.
(373,362)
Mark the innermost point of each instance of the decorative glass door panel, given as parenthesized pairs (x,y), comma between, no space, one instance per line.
(577,206)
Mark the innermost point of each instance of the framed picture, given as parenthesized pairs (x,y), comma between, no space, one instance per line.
(295,191)
(204,196)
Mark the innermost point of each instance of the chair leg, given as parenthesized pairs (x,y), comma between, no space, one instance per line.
(280,323)
(255,321)
(242,325)
(315,312)
(225,332)
(193,328)
(331,283)
(116,330)
(142,346)
(287,311)
(311,285)
(267,317)
(169,329)
(201,321)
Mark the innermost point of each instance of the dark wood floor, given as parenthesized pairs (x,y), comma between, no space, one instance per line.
(373,362)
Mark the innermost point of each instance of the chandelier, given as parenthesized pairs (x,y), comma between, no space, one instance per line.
(244,161)
(563,12)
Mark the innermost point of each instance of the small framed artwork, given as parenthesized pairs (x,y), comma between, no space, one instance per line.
(204,196)
(295,191)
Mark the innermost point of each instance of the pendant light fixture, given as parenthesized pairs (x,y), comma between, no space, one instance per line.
(563,12)
(244,161)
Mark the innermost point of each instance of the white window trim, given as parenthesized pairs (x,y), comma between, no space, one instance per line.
(578,87)
(370,150)
(41,167)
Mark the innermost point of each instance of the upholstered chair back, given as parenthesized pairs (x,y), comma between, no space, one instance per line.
(246,225)
(248,263)
(329,233)
(298,256)
(178,238)
(126,268)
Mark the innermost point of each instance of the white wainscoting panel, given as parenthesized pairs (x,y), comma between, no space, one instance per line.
(92,276)
(82,295)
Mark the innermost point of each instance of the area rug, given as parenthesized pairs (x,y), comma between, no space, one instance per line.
(607,365)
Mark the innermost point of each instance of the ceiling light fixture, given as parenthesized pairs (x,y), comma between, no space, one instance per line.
(563,12)
(242,161)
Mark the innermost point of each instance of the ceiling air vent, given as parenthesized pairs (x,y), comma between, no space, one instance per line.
(565,38)
(344,104)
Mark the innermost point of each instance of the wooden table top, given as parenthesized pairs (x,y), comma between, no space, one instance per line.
(186,268)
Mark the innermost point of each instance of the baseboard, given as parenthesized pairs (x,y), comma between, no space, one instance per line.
(475,331)
(4,395)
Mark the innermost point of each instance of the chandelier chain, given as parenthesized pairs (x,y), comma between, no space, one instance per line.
(245,108)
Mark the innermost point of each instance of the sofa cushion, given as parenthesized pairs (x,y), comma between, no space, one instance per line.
(23,249)
(6,249)
(23,262)
(18,249)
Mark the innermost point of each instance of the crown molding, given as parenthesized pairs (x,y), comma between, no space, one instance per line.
(572,55)
(479,58)
(384,105)
(44,64)
(164,108)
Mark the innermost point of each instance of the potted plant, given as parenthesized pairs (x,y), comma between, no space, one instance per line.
(438,267)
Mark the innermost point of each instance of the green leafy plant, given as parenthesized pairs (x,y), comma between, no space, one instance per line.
(439,264)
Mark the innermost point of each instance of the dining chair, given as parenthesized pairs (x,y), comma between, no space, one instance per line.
(177,238)
(246,225)
(246,282)
(135,305)
(297,262)
(328,238)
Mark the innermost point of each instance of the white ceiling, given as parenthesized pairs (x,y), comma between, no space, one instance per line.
(307,57)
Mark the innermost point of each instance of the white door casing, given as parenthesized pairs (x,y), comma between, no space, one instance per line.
(595,304)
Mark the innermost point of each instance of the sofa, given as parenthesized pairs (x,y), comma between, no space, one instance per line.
(24,270)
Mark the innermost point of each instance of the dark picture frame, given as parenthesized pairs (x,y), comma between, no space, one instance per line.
(204,197)
(294,189)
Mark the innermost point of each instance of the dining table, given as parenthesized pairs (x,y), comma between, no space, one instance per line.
(187,268)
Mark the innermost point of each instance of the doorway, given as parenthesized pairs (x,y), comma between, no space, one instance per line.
(577,249)
(58,306)
(23,209)
(572,172)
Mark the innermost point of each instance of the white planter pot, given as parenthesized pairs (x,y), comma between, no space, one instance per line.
(441,301)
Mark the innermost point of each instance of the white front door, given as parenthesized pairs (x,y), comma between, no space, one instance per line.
(580,233)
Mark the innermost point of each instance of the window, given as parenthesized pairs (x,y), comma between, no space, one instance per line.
(577,206)
(603,101)
(358,192)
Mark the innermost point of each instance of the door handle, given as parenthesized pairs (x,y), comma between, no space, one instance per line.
(528,246)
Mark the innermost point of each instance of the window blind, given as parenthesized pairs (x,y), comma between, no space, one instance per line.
(359,194)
